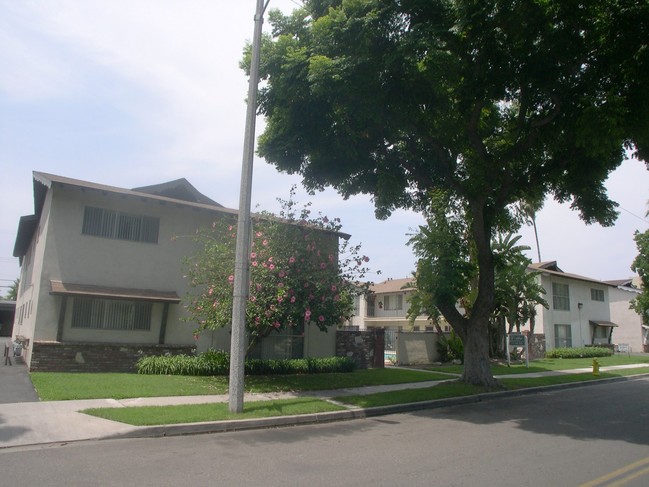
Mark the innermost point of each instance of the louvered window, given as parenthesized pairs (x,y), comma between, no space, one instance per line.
(101,222)
(105,314)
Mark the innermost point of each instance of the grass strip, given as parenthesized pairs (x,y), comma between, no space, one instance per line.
(546,365)
(440,391)
(457,389)
(195,413)
(56,386)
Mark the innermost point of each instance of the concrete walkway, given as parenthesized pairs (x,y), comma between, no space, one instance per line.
(32,423)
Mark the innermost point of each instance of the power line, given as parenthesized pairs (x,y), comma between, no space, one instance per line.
(633,214)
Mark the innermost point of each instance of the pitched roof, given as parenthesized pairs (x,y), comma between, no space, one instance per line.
(393,285)
(551,268)
(179,189)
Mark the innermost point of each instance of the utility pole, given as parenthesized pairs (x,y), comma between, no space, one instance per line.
(242,256)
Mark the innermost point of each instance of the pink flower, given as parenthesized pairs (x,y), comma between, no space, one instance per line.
(258,234)
(277,325)
(321,318)
(231,278)
(211,291)
(292,299)
(271,266)
(253,255)
(282,274)
(280,299)
(265,243)
(337,297)
(334,288)
(281,284)
(255,263)
(307,314)
(270,259)
(253,299)
(291,260)
(323,265)
(230,228)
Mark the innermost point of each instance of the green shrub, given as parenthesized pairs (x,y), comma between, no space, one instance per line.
(584,352)
(450,348)
(217,362)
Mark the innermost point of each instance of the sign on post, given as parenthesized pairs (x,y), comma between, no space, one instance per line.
(518,340)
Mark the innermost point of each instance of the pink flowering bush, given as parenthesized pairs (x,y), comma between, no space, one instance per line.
(302,270)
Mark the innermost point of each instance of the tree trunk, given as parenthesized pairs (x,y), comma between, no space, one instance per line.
(477,369)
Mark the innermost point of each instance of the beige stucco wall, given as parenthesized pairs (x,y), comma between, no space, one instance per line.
(72,257)
(629,330)
(36,303)
(417,348)
(319,343)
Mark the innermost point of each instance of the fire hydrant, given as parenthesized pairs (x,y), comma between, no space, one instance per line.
(595,367)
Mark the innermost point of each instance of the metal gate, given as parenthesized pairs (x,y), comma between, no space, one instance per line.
(390,353)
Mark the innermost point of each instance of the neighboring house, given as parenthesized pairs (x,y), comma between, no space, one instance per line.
(632,330)
(582,311)
(387,304)
(102,274)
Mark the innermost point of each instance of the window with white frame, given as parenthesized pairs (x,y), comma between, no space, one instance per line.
(562,336)
(109,314)
(101,222)
(597,294)
(393,302)
(560,296)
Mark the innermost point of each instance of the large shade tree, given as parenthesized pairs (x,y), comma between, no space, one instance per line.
(498,103)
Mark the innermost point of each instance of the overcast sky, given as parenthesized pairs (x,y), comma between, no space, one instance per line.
(136,92)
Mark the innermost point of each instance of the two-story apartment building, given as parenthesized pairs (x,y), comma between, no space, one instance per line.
(386,306)
(580,310)
(102,277)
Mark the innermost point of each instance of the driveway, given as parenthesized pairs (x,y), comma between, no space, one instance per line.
(15,384)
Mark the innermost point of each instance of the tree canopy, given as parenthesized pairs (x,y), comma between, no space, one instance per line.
(641,266)
(497,103)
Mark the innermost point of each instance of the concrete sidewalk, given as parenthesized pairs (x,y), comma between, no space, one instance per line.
(32,423)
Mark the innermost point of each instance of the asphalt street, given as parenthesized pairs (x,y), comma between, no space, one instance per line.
(586,436)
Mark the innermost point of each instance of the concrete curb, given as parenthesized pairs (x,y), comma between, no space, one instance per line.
(358,413)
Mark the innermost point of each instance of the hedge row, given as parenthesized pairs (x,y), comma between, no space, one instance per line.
(216,362)
(584,352)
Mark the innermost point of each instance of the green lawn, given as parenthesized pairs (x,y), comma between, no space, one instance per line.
(159,415)
(544,365)
(194,413)
(55,386)
(457,389)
